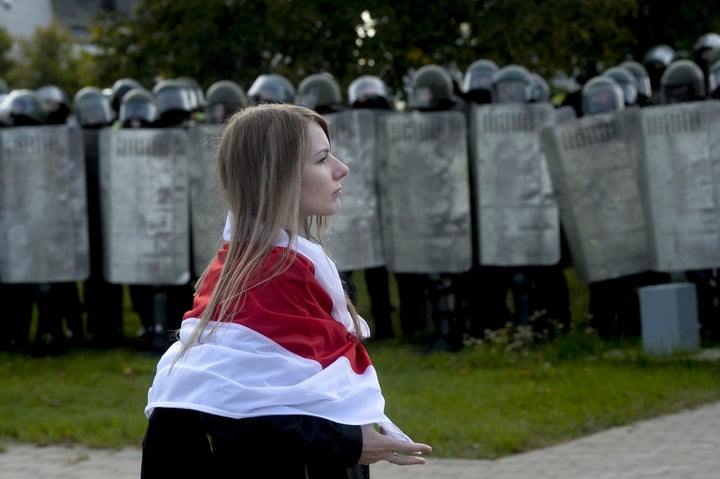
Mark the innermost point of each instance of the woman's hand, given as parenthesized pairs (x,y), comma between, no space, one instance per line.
(379,447)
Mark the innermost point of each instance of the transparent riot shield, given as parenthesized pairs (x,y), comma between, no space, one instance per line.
(144,188)
(516,214)
(680,173)
(43,205)
(594,169)
(424,191)
(356,240)
(208,209)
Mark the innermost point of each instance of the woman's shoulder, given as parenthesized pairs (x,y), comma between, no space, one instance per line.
(289,258)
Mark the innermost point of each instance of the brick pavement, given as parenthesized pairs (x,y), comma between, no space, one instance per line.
(678,446)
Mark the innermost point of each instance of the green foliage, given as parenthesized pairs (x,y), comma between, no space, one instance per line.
(210,40)
(489,400)
(6,44)
(50,56)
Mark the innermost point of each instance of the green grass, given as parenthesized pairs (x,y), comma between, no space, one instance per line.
(487,401)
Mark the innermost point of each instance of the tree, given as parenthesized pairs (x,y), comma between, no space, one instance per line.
(6,43)
(211,40)
(50,56)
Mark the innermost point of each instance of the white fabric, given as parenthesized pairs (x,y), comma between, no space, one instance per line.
(237,372)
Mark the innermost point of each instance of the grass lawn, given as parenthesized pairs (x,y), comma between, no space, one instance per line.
(489,400)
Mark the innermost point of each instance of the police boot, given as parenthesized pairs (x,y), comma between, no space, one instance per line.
(50,338)
(447,327)
(521,286)
(160,307)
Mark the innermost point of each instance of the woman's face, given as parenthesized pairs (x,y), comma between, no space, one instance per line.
(320,187)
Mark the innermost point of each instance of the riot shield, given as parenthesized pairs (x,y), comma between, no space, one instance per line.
(516,214)
(144,193)
(356,241)
(680,172)
(424,192)
(43,205)
(208,209)
(594,169)
(564,113)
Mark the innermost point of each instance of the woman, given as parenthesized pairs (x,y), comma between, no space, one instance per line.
(269,373)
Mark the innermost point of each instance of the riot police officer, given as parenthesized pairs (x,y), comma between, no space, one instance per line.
(57,104)
(197,98)
(62,299)
(541,89)
(534,288)
(138,109)
(223,99)
(20,108)
(27,108)
(477,81)
(370,92)
(714,80)
(642,81)
(702,49)
(655,61)
(432,90)
(627,82)
(602,94)
(320,92)
(176,103)
(103,300)
(118,90)
(613,308)
(271,88)
(488,307)
(683,81)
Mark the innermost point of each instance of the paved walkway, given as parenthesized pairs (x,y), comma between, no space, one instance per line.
(678,446)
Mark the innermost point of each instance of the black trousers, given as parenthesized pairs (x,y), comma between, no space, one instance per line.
(182,443)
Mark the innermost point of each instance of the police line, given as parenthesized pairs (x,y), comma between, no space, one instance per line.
(636,190)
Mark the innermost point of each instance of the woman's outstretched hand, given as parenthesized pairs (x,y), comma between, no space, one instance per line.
(380,447)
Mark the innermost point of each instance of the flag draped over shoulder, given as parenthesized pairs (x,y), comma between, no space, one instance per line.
(289,350)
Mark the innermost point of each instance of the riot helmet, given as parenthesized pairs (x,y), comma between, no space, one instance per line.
(319,92)
(627,82)
(431,89)
(714,80)
(456,76)
(713,56)
(271,88)
(196,91)
(656,60)
(368,91)
(56,103)
(92,108)
(540,89)
(682,81)
(175,102)
(512,84)
(223,99)
(138,109)
(642,80)
(119,88)
(478,80)
(702,48)
(23,108)
(602,94)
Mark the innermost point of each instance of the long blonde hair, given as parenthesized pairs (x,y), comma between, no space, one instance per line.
(259,168)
